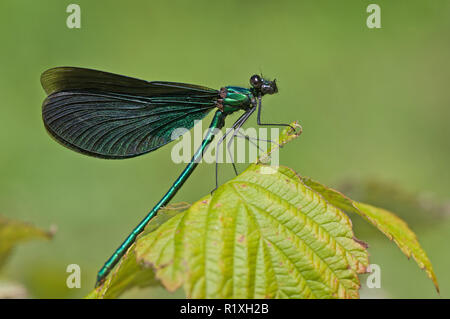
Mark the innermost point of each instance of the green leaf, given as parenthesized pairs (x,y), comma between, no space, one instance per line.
(13,232)
(258,236)
(268,233)
(263,234)
(388,223)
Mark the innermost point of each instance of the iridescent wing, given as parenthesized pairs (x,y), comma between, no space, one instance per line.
(112,116)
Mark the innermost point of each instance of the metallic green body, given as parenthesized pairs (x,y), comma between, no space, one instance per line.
(237,98)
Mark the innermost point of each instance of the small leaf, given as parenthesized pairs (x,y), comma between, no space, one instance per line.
(13,232)
(285,137)
(258,236)
(388,223)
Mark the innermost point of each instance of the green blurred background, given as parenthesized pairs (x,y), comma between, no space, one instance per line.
(374,103)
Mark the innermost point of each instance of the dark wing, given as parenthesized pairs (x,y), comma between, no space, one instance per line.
(113,116)
(70,78)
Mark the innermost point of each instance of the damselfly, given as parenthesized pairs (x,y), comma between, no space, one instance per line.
(115,117)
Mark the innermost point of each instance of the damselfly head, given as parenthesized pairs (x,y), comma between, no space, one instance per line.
(263,86)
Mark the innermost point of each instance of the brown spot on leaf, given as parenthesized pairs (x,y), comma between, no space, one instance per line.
(362,243)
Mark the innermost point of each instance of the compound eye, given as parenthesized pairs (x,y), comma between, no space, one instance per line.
(256,81)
